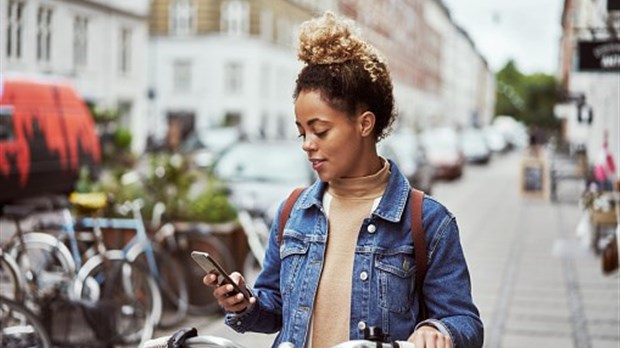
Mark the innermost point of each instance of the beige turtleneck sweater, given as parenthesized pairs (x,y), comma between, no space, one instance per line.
(347,202)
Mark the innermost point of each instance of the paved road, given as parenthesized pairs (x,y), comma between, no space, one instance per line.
(536,285)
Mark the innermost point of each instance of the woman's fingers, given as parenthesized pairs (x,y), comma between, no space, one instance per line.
(429,337)
(210,280)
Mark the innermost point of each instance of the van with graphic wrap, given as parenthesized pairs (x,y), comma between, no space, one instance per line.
(46,135)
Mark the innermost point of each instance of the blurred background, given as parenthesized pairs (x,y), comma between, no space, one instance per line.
(137,131)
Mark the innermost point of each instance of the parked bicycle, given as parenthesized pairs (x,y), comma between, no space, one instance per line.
(20,327)
(49,274)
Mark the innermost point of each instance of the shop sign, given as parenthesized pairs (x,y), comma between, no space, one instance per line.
(599,55)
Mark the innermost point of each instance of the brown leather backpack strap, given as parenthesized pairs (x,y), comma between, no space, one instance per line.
(286,211)
(419,243)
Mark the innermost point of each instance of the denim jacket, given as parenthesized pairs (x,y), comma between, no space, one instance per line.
(383,292)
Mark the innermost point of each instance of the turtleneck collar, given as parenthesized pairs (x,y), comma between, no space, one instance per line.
(365,187)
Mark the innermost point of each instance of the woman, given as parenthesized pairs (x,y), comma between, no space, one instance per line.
(345,261)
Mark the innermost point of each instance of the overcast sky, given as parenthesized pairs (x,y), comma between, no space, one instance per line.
(527,31)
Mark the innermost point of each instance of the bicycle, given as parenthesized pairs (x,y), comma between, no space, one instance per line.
(43,261)
(20,327)
(11,281)
(189,338)
(149,254)
(124,290)
(48,269)
(256,230)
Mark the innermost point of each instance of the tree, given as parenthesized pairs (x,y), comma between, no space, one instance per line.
(528,98)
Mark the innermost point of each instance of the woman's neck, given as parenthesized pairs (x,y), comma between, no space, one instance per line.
(364,186)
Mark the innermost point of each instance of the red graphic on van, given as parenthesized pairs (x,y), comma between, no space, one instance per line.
(46,134)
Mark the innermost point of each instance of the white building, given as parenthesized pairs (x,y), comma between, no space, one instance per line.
(468,83)
(228,63)
(233,63)
(98,45)
(590,75)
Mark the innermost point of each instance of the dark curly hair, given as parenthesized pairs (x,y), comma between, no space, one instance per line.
(349,74)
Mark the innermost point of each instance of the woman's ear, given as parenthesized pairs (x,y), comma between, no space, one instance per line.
(367,123)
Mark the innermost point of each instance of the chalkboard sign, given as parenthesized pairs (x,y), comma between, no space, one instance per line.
(534,177)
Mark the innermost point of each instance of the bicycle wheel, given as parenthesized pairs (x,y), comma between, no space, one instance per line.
(126,303)
(201,301)
(43,260)
(171,281)
(11,282)
(20,328)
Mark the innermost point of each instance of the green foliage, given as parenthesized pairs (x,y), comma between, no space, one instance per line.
(84,183)
(528,98)
(104,115)
(212,205)
(188,195)
(122,139)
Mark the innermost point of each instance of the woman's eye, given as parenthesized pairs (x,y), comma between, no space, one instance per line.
(321,134)
(301,135)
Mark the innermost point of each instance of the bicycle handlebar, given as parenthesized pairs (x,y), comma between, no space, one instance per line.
(204,341)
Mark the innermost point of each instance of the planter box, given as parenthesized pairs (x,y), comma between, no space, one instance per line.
(600,217)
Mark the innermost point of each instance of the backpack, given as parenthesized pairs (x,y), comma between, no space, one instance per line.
(419,240)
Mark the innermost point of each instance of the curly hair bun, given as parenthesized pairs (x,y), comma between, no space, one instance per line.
(330,39)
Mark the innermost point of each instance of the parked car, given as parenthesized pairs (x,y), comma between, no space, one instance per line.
(203,146)
(47,135)
(515,132)
(474,145)
(260,174)
(406,150)
(444,152)
(494,139)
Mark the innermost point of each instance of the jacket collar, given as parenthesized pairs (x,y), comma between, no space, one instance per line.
(391,206)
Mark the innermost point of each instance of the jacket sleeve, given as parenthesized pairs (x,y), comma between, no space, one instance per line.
(266,315)
(447,287)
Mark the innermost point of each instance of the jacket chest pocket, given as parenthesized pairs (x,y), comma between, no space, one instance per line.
(293,252)
(395,274)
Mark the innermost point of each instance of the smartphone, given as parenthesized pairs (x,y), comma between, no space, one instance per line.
(209,265)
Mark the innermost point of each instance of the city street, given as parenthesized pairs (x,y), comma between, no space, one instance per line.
(536,285)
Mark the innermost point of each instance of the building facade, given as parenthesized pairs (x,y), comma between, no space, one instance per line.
(589,74)
(225,63)
(99,46)
(233,63)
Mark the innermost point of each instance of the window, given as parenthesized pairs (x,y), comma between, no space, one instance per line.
(235,17)
(182,17)
(80,41)
(6,123)
(284,31)
(14,21)
(234,77)
(44,34)
(266,25)
(182,75)
(125,50)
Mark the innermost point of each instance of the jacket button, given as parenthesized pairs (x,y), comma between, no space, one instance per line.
(371,228)
(364,275)
(361,325)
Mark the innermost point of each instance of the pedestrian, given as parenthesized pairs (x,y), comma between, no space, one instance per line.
(346,258)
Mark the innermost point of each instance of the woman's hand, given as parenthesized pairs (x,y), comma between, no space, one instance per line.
(429,337)
(236,303)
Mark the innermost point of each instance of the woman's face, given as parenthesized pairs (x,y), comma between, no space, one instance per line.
(333,141)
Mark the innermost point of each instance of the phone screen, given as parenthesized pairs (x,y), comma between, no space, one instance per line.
(210,266)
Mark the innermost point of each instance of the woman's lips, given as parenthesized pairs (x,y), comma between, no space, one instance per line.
(316,164)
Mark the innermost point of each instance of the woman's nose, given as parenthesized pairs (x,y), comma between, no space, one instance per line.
(308,145)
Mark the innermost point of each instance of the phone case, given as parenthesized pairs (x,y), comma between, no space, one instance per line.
(210,266)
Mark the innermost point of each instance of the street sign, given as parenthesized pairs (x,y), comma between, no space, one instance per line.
(599,56)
